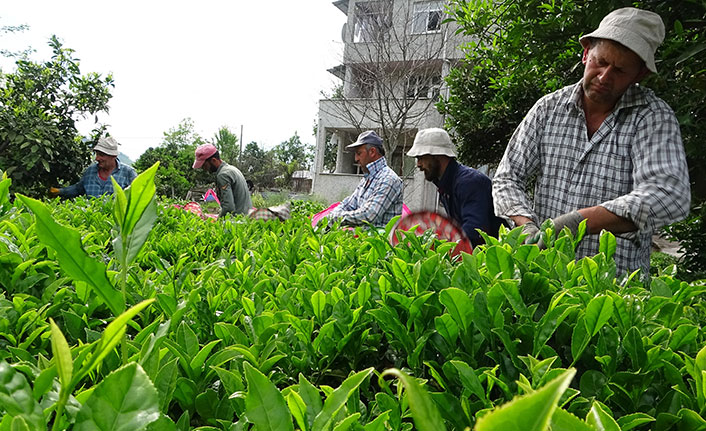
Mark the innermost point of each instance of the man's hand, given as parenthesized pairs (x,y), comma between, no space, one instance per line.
(570,220)
(532,231)
(53,192)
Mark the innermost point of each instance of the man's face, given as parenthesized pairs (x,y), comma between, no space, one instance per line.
(364,155)
(431,167)
(610,70)
(209,167)
(104,160)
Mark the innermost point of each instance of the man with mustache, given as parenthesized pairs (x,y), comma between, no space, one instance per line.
(605,149)
(464,192)
(231,188)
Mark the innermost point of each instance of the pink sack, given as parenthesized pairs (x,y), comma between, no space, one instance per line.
(318,216)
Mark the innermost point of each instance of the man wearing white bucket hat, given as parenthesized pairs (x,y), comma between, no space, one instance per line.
(96,178)
(605,149)
(464,192)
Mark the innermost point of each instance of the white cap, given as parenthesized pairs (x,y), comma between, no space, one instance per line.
(434,141)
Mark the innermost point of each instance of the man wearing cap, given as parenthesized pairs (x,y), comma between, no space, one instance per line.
(96,178)
(605,149)
(465,193)
(231,188)
(378,197)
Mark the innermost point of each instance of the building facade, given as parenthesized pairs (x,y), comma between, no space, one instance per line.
(395,57)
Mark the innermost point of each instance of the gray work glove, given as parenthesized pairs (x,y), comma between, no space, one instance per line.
(570,220)
(532,231)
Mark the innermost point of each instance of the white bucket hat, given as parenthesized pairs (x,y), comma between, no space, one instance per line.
(639,30)
(107,145)
(434,141)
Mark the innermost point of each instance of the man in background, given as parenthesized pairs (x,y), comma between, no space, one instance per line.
(96,178)
(378,197)
(231,187)
(465,193)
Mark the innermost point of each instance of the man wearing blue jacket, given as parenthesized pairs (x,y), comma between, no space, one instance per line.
(465,192)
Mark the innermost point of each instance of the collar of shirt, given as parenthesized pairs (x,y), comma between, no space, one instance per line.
(375,167)
(446,183)
(634,96)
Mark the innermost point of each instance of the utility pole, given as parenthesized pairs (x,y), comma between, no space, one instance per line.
(240,154)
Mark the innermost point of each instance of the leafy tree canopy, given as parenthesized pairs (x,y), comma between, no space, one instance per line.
(175,176)
(39,106)
(227,144)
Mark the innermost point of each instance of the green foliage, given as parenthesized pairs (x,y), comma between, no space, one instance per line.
(251,324)
(691,235)
(39,104)
(525,49)
(176,157)
(227,144)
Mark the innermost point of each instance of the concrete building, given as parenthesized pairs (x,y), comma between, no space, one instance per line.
(396,54)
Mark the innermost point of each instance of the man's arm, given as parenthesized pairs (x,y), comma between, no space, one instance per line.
(519,163)
(74,190)
(661,192)
(384,195)
(226,196)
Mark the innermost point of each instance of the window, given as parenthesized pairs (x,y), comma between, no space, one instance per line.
(372,22)
(424,87)
(364,84)
(427,17)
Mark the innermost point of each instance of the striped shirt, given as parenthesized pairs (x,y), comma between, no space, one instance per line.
(376,200)
(93,185)
(634,166)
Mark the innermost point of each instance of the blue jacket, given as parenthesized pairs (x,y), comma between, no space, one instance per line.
(467,197)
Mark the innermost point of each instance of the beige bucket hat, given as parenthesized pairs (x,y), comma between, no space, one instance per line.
(639,30)
(434,141)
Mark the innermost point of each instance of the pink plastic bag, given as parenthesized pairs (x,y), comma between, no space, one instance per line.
(318,216)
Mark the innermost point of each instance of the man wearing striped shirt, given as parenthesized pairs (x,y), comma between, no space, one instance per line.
(378,197)
(605,149)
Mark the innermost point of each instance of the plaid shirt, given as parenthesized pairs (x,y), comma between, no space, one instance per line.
(634,166)
(377,199)
(93,185)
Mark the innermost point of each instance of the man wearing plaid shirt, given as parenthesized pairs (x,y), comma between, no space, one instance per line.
(605,149)
(96,178)
(378,197)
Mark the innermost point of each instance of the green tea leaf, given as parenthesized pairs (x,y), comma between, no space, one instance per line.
(264,404)
(62,356)
(337,400)
(598,312)
(565,421)
(634,420)
(111,336)
(459,305)
(298,409)
(424,412)
(16,398)
(600,419)
(470,380)
(125,400)
(531,412)
(499,261)
(72,257)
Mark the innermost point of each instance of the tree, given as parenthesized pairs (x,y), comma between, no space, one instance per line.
(392,69)
(292,156)
(258,166)
(175,176)
(5,29)
(39,105)
(525,49)
(227,144)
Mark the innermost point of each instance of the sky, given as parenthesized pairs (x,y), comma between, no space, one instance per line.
(257,64)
